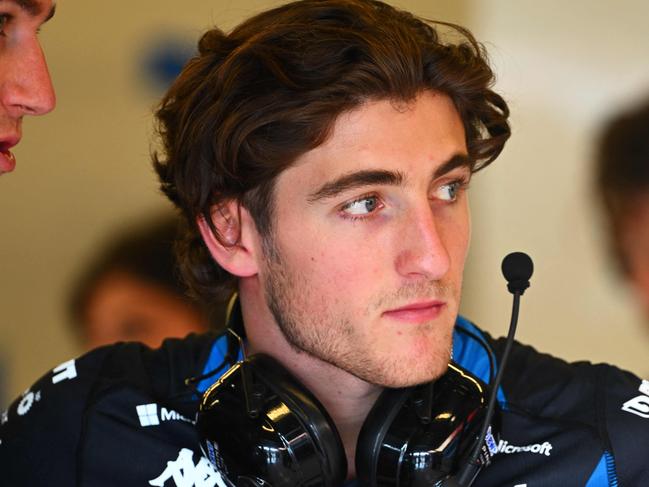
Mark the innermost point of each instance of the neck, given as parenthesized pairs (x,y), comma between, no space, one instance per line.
(346,398)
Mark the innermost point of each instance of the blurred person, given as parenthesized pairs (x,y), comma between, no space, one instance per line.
(25,85)
(131,291)
(321,153)
(622,183)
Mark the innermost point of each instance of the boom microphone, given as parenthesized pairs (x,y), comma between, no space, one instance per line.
(517,269)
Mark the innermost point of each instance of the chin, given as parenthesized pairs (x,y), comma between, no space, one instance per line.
(415,378)
(423,363)
(404,371)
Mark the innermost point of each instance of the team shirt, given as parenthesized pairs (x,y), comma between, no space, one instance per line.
(124,415)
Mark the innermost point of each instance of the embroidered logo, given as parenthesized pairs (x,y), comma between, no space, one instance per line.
(65,371)
(148,414)
(491,442)
(639,405)
(185,473)
(28,400)
(540,448)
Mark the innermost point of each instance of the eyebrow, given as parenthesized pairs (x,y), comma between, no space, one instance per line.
(369,177)
(355,180)
(458,160)
(33,8)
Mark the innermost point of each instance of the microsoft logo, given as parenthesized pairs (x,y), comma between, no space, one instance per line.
(148,414)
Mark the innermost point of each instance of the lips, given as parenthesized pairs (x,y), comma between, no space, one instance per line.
(7,159)
(418,312)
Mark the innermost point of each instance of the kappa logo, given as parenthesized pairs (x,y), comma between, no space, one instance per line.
(148,415)
(540,448)
(184,473)
(639,405)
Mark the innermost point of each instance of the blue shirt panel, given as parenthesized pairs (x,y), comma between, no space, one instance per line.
(474,356)
(599,477)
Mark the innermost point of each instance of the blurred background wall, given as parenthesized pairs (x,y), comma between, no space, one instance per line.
(84,169)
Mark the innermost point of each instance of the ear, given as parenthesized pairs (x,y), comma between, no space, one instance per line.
(236,248)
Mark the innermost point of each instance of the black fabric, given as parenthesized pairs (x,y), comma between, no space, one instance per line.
(83,429)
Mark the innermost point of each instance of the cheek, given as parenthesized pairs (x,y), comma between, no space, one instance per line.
(455,232)
(341,265)
(337,272)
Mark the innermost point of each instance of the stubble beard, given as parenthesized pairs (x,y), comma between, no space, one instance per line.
(324,333)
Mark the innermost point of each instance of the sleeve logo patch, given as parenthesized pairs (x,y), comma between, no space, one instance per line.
(639,405)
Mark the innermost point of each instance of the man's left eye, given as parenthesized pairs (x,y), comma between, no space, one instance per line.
(361,206)
(449,192)
(4,19)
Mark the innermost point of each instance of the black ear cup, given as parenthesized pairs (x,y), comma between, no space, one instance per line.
(292,442)
(374,434)
(311,414)
(399,447)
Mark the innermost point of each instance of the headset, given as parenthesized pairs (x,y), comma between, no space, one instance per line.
(260,427)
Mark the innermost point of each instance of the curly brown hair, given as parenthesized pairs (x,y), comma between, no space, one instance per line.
(252,101)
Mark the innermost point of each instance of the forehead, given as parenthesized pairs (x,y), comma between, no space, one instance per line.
(420,134)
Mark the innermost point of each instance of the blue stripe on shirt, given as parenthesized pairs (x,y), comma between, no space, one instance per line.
(474,356)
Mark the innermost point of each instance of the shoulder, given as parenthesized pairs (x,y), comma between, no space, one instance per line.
(588,421)
(543,384)
(88,406)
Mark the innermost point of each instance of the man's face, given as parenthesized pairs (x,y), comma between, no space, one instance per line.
(25,85)
(364,265)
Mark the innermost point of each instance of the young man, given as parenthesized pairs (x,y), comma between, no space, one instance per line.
(25,85)
(321,153)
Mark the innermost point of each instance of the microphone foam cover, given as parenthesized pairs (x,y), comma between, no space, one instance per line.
(517,266)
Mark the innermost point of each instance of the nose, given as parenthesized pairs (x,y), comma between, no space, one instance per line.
(423,252)
(28,89)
